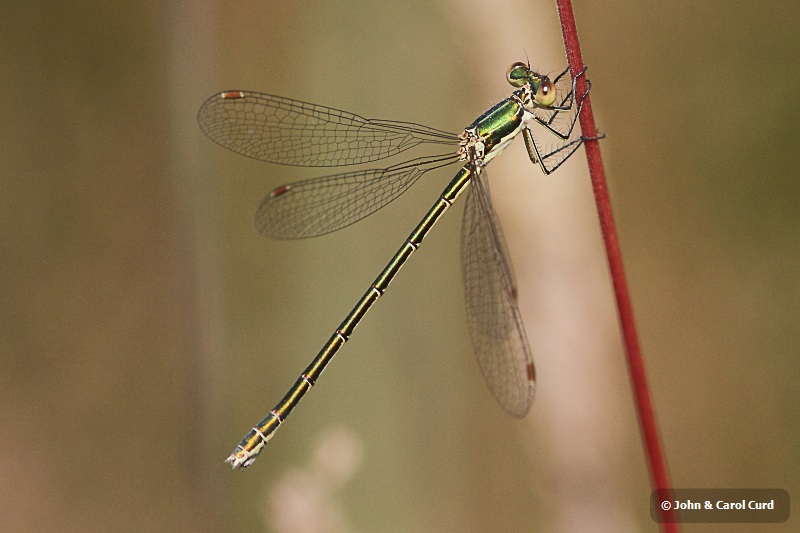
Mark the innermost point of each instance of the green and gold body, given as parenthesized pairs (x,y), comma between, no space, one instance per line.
(477,145)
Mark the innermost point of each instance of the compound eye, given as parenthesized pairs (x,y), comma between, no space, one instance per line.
(518,74)
(546,95)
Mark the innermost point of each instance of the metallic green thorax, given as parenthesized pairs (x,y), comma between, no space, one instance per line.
(499,125)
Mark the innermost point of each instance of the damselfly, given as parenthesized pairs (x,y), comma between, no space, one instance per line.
(289,132)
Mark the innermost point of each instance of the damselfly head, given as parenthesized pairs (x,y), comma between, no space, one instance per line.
(544,92)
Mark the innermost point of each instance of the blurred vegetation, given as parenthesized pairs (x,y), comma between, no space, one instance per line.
(146,325)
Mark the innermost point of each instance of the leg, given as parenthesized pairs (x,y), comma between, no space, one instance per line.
(555,157)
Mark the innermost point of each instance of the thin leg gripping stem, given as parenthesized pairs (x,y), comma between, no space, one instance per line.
(247,450)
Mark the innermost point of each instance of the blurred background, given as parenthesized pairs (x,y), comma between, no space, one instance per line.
(146,326)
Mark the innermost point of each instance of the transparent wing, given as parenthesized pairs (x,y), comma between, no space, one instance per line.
(321,205)
(495,325)
(290,132)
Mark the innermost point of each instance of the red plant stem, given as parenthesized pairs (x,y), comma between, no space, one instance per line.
(647,419)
